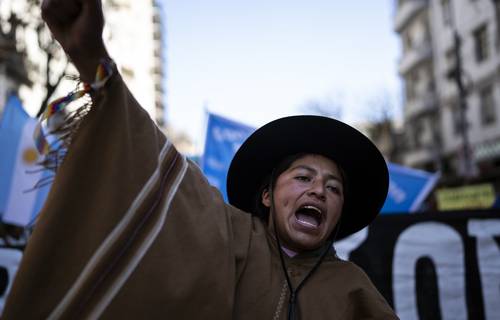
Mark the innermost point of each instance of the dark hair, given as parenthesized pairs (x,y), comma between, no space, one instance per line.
(260,210)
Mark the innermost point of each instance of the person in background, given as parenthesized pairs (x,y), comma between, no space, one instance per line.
(132,229)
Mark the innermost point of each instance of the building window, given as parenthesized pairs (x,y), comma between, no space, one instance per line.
(446,10)
(409,139)
(427,32)
(457,125)
(418,132)
(487,104)
(431,86)
(407,42)
(497,20)
(411,84)
(429,78)
(481,43)
(451,64)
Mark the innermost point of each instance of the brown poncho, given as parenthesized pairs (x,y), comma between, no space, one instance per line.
(132,230)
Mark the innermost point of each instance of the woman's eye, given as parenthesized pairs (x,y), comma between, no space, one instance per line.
(334,189)
(302,178)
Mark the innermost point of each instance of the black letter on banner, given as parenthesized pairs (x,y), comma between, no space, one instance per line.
(488,255)
(443,246)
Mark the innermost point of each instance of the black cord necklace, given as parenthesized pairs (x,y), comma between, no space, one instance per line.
(292,302)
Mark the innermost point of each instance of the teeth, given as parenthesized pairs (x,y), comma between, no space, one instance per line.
(309,215)
(312,208)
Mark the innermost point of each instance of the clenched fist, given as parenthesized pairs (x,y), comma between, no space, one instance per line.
(77,25)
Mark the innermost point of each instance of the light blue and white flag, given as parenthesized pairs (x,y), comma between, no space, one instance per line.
(19,172)
(223,139)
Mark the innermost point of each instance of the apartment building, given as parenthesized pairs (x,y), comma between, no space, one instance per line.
(133,34)
(432,32)
(12,67)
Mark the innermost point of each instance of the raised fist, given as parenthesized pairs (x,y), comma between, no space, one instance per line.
(77,25)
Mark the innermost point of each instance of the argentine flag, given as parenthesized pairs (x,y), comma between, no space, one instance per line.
(19,172)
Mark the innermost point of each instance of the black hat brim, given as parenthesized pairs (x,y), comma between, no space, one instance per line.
(364,166)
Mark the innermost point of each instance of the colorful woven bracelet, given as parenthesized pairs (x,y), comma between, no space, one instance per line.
(104,72)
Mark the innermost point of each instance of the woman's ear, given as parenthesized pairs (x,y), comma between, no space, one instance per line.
(266,198)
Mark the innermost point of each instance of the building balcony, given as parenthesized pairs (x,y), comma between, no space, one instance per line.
(406,11)
(422,104)
(156,17)
(415,56)
(419,157)
(157,70)
(157,35)
(159,88)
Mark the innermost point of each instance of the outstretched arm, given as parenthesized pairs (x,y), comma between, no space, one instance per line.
(130,228)
(77,25)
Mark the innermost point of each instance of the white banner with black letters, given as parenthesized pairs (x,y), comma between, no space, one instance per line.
(444,265)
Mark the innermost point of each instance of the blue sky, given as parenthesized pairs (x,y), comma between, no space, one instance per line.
(255,61)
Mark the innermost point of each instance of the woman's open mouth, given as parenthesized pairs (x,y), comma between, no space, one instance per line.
(309,216)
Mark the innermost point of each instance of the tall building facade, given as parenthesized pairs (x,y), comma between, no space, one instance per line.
(13,72)
(133,34)
(449,124)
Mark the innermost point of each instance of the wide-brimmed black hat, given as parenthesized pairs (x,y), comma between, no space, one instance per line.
(363,164)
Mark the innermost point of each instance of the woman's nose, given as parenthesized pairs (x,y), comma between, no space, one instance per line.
(318,189)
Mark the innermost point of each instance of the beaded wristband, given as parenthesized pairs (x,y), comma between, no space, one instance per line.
(104,72)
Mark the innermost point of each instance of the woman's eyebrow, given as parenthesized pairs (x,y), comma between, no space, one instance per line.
(304,167)
(329,176)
